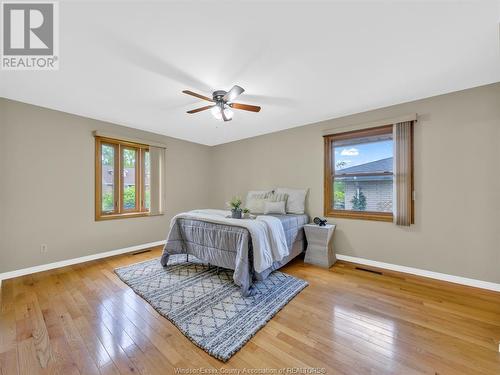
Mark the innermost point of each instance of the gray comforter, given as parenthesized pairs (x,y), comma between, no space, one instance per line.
(230,246)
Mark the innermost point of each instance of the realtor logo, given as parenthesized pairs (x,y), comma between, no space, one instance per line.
(30,39)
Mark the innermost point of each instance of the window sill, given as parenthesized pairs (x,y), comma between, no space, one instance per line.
(122,216)
(374,216)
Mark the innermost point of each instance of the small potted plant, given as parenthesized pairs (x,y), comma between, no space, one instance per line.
(246,213)
(235,205)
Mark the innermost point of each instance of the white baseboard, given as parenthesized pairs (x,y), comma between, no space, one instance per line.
(69,262)
(389,266)
(419,272)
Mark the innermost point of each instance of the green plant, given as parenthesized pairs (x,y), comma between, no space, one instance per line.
(108,154)
(235,203)
(107,202)
(246,211)
(129,158)
(340,164)
(358,201)
(108,157)
(339,195)
(129,197)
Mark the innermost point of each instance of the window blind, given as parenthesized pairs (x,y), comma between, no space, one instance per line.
(157,160)
(403,179)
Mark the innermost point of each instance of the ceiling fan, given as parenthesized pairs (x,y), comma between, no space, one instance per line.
(222,103)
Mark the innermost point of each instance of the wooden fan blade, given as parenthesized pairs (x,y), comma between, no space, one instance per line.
(233,93)
(197,95)
(200,109)
(245,107)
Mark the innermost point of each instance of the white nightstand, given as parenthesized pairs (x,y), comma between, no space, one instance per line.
(320,245)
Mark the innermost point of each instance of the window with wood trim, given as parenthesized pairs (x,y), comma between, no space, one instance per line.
(359,177)
(122,179)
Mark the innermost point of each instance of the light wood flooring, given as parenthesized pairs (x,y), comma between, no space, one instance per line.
(83,320)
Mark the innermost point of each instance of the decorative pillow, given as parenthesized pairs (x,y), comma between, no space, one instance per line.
(274,207)
(277,197)
(296,201)
(256,199)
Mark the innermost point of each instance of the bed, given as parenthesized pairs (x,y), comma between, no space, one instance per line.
(229,245)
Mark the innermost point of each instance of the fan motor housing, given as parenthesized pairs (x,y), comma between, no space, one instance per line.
(217,95)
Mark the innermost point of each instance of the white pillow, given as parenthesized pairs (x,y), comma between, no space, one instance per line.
(277,197)
(256,204)
(274,207)
(296,201)
(255,200)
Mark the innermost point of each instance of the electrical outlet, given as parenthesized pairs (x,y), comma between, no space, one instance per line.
(43,248)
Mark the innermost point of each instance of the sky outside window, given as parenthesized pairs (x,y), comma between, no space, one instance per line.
(352,155)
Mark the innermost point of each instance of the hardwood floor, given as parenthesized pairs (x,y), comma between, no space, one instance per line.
(83,320)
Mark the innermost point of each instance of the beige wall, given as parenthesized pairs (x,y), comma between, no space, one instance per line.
(47,187)
(457,181)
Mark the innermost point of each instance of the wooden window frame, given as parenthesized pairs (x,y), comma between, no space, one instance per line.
(329,176)
(119,212)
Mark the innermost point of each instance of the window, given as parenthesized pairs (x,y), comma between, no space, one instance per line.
(122,179)
(359,174)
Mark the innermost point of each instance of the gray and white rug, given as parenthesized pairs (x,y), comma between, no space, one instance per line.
(207,306)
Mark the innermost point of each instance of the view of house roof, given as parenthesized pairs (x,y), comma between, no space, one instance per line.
(382,165)
(108,179)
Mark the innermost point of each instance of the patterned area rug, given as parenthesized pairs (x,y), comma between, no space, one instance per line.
(205,304)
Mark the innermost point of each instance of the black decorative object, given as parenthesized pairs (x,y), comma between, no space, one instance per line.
(319,221)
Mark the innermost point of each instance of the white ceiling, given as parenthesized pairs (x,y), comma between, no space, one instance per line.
(127,62)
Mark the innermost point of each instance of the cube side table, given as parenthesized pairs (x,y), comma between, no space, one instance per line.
(320,245)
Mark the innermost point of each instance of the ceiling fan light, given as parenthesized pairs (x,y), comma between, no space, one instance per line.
(216,112)
(228,112)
